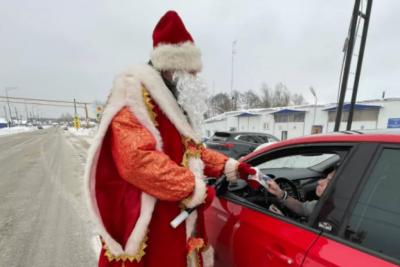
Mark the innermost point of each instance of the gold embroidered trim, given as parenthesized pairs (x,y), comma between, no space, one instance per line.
(195,247)
(149,106)
(124,257)
(192,150)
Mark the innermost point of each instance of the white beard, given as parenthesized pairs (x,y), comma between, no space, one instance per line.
(192,95)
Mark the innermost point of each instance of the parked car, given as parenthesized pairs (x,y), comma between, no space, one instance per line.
(264,145)
(356,222)
(40,127)
(238,144)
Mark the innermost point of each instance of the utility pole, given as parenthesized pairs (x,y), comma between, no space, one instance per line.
(232,64)
(349,55)
(365,16)
(87,117)
(6,116)
(356,15)
(8,101)
(75,113)
(16,113)
(26,111)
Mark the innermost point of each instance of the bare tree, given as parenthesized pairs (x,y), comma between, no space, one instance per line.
(251,100)
(220,103)
(298,99)
(281,96)
(266,96)
(236,100)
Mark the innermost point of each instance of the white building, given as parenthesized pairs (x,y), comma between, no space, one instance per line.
(288,122)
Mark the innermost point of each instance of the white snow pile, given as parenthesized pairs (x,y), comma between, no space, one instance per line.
(16,129)
(82,131)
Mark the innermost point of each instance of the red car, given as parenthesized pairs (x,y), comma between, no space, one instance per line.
(356,222)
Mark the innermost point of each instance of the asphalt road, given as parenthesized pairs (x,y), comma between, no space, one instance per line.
(43,217)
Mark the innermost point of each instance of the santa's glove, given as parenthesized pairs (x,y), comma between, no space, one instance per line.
(235,169)
(245,170)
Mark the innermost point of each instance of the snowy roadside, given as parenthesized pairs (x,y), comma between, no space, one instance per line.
(84,133)
(80,139)
(16,129)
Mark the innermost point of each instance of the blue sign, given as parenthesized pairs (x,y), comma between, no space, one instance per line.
(394,123)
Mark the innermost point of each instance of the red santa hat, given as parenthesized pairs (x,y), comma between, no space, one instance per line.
(173,46)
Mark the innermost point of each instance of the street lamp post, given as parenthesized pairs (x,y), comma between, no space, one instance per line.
(315,103)
(232,64)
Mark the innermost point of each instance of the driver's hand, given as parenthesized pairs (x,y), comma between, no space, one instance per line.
(274,188)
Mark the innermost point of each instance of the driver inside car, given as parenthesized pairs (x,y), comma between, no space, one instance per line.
(300,208)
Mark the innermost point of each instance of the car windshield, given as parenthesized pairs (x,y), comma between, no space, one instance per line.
(297,161)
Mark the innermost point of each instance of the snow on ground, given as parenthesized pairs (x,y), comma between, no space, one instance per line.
(83,131)
(16,129)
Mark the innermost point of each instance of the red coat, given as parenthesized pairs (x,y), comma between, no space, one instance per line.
(144,161)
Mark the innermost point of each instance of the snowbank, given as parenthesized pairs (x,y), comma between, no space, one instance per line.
(83,131)
(16,129)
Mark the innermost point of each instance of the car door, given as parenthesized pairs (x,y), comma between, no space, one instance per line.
(245,234)
(369,232)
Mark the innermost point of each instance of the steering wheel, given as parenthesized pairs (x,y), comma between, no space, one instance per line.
(287,185)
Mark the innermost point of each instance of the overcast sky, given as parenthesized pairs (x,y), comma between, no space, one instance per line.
(65,49)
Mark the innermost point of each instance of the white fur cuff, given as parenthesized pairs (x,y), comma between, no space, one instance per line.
(198,196)
(230,169)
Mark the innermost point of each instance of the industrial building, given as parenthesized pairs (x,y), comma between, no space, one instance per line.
(294,121)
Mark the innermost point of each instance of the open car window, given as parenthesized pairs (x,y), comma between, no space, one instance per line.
(296,170)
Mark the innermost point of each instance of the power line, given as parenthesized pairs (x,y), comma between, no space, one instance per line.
(45,100)
(81,105)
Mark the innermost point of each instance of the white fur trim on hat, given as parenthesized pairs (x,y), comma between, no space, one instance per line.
(230,169)
(184,56)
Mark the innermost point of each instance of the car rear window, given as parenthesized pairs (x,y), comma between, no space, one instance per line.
(220,136)
(250,139)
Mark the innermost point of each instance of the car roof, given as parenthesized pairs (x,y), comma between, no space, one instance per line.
(331,138)
(238,133)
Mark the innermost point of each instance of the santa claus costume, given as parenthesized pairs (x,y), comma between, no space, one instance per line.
(146,163)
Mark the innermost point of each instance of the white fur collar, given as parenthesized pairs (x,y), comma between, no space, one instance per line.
(159,92)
